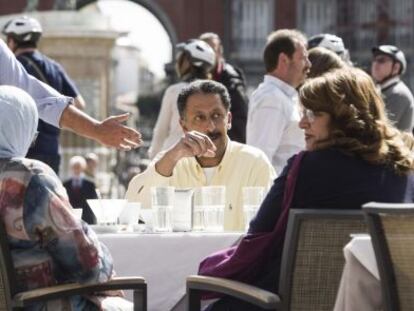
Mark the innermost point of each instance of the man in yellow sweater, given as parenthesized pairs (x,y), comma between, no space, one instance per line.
(205,155)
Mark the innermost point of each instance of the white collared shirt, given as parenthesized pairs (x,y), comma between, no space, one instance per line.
(241,166)
(273,121)
(50,104)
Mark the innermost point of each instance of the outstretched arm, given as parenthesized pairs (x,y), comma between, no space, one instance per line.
(110,132)
(55,109)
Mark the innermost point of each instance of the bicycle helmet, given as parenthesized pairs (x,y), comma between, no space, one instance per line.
(395,53)
(23,29)
(330,42)
(201,54)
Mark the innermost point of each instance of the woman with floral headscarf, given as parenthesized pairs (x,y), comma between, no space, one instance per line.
(48,244)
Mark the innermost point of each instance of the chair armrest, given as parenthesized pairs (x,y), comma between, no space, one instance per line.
(65,290)
(249,293)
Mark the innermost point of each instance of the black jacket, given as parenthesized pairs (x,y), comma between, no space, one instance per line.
(233,79)
(327,179)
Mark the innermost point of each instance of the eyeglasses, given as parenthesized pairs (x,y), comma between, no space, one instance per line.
(308,114)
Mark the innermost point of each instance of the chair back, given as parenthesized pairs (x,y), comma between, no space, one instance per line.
(7,275)
(392,232)
(313,259)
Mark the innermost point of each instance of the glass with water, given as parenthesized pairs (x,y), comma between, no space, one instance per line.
(213,201)
(198,211)
(162,199)
(252,199)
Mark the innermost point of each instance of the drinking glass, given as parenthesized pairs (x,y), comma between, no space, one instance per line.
(252,199)
(198,211)
(213,199)
(162,199)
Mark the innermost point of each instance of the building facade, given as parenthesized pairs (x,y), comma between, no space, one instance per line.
(244,24)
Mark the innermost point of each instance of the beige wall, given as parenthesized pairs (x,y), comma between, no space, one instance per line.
(88,61)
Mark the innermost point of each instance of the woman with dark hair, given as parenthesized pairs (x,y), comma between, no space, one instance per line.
(353,156)
(195,59)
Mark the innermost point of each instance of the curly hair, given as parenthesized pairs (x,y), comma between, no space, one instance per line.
(359,125)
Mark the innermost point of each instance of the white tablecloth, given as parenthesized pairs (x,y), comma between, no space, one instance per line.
(164,260)
(360,287)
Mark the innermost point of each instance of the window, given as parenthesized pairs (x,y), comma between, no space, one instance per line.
(252,21)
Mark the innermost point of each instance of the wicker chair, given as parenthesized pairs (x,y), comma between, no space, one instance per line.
(10,300)
(392,232)
(311,269)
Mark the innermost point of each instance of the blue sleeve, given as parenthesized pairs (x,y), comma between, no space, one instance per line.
(68,86)
(50,103)
(77,254)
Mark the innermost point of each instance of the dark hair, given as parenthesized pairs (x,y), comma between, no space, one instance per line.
(323,60)
(359,125)
(281,41)
(25,44)
(202,87)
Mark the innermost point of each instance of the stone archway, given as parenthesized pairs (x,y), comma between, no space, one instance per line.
(156,10)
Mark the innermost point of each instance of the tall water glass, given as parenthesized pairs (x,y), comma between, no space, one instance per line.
(252,199)
(213,199)
(162,199)
(198,211)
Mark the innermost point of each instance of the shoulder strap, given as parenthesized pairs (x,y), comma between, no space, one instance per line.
(289,191)
(40,74)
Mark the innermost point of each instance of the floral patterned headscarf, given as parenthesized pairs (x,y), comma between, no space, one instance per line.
(18,121)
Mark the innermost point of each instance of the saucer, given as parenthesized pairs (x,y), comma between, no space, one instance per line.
(105,228)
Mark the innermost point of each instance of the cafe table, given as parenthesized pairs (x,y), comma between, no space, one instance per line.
(360,287)
(164,260)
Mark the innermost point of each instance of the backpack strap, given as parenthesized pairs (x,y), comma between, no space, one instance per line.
(40,75)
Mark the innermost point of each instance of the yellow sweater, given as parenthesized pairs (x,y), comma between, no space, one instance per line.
(241,166)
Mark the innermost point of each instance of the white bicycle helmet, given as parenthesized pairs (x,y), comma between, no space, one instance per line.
(330,42)
(201,54)
(395,53)
(23,29)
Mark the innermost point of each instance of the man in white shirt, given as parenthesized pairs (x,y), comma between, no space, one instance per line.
(205,155)
(272,123)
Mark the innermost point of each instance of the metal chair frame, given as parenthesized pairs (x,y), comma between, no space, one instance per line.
(373,211)
(17,301)
(260,297)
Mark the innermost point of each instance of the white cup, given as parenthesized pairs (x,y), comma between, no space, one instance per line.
(130,214)
(162,199)
(146,214)
(213,200)
(252,199)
